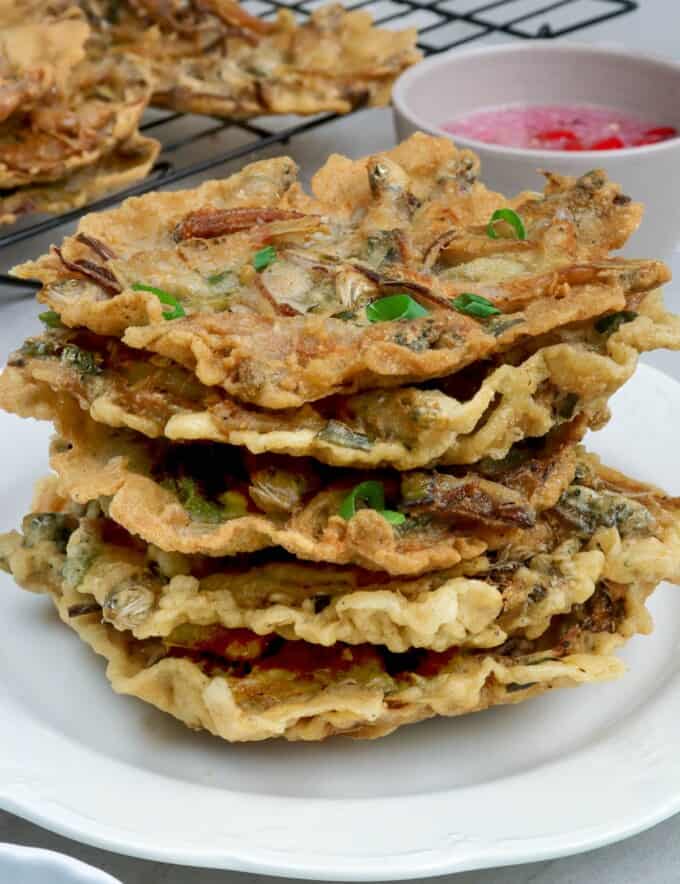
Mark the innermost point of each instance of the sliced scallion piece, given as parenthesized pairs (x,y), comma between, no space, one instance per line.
(394,518)
(393,307)
(264,258)
(510,217)
(165,298)
(51,319)
(475,305)
(607,325)
(219,278)
(372,494)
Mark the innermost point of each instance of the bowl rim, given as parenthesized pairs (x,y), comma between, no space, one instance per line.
(613,51)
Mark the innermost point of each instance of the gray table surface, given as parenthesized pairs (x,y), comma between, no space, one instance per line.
(653,856)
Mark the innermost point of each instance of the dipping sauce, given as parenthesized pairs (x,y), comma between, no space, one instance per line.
(559,127)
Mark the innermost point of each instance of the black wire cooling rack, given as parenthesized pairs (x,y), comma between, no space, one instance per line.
(442,25)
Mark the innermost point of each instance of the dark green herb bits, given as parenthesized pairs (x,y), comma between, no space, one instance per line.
(498,327)
(35,347)
(112,11)
(372,495)
(514,686)
(263,258)
(566,406)
(81,360)
(475,305)
(168,300)
(226,276)
(510,217)
(51,319)
(231,505)
(607,325)
(393,307)
(52,527)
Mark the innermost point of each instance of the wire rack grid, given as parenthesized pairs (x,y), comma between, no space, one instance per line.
(441,24)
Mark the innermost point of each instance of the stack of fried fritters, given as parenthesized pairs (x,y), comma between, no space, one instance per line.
(318,463)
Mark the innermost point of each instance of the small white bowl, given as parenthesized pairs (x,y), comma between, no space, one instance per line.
(460,81)
(29,865)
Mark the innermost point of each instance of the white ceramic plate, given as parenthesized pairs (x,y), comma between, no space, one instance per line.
(26,865)
(563,773)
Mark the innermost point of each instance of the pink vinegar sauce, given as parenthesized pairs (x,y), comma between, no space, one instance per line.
(559,127)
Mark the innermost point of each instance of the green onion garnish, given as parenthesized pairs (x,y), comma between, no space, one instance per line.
(229,505)
(51,319)
(373,495)
(401,306)
(607,325)
(165,298)
(218,278)
(475,305)
(510,217)
(393,517)
(264,258)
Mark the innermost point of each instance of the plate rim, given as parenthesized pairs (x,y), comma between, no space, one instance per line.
(85,872)
(432,850)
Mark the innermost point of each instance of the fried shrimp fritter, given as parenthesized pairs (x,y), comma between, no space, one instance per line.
(123,166)
(281,299)
(69,116)
(463,418)
(210,500)
(303,652)
(302,692)
(214,58)
(603,526)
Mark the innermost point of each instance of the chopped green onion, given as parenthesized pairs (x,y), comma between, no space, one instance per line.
(198,506)
(229,505)
(218,278)
(401,306)
(37,348)
(373,495)
(475,305)
(510,217)
(607,325)
(370,493)
(82,360)
(264,258)
(235,504)
(393,517)
(165,298)
(51,319)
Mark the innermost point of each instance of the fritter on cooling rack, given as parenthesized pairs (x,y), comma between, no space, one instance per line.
(476,413)
(69,117)
(220,646)
(213,58)
(123,166)
(393,273)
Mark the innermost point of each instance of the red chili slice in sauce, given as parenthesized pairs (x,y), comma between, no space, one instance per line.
(612,143)
(569,139)
(653,136)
